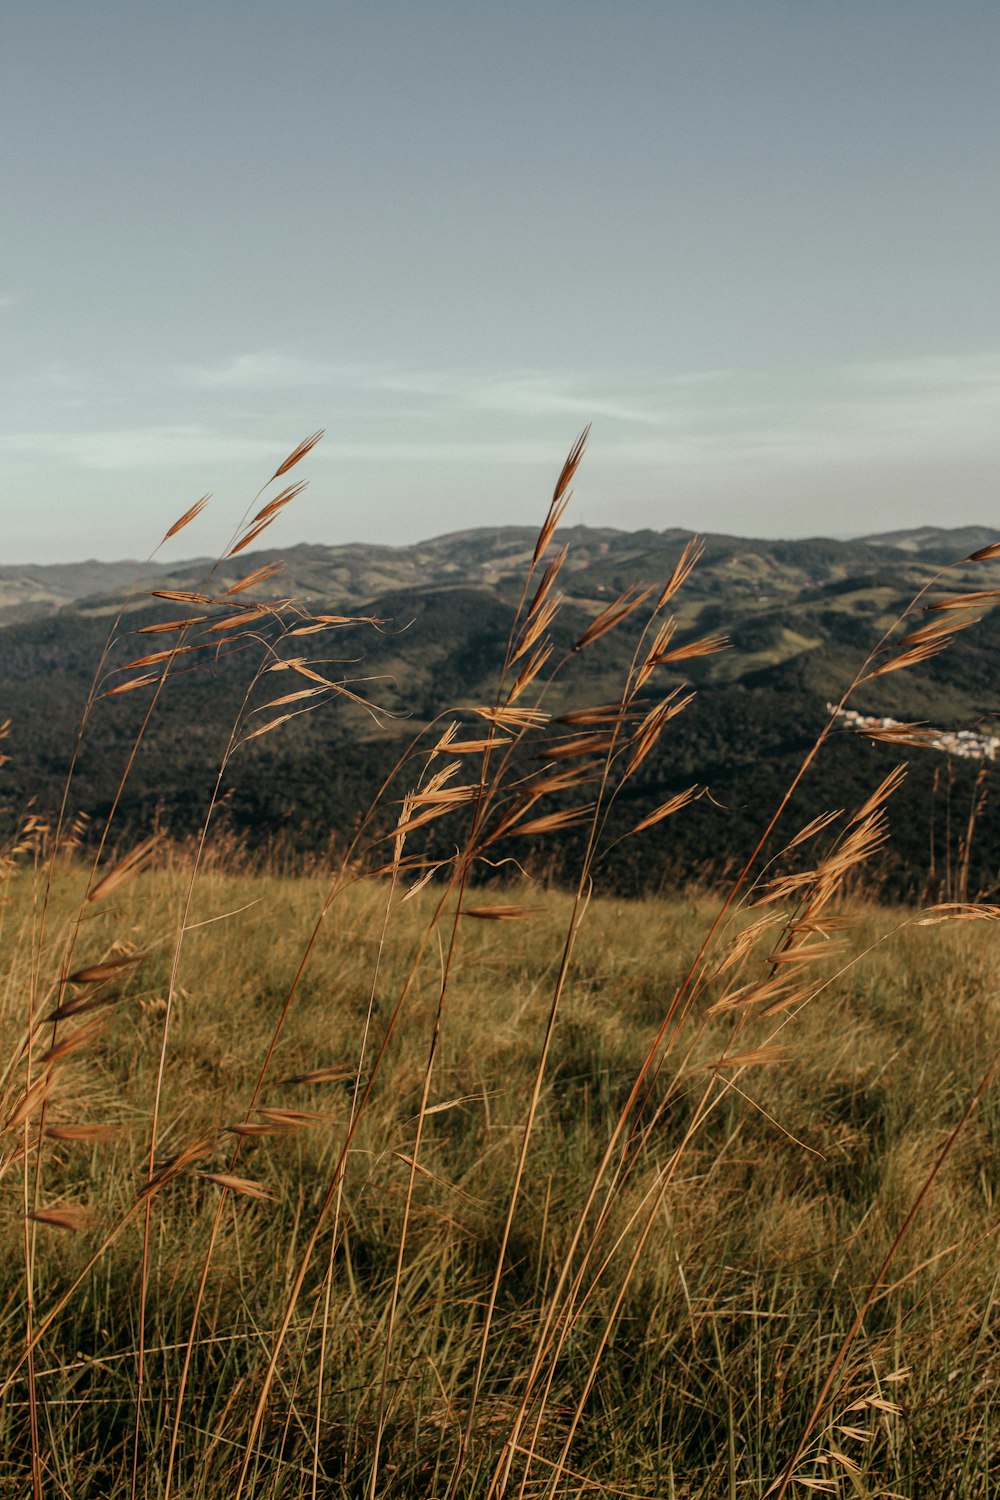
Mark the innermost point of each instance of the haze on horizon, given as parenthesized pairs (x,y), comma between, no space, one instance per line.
(756,246)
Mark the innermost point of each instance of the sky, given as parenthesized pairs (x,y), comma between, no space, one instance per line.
(754,244)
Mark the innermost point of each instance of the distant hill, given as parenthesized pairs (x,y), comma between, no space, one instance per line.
(935,543)
(32,589)
(801,616)
(491,555)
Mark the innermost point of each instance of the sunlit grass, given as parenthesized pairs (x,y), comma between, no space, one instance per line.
(789,1196)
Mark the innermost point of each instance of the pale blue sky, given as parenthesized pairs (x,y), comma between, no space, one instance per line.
(755,241)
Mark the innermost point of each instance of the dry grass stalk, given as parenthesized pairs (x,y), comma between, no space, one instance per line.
(62,1216)
(613,615)
(471,747)
(259,575)
(435,783)
(529,672)
(653,725)
(181,596)
(584,744)
(886,788)
(409,823)
(315,627)
(29,1102)
(68,1043)
(536,625)
(296,1119)
(985,554)
(130,865)
(783,888)
(910,658)
(298,453)
(815,826)
(708,645)
(87,1131)
(237,621)
(548,579)
(299,665)
(571,817)
(164,627)
(171,1167)
(441,796)
(560,497)
(959,911)
(334,1073)
(918,735)
(108,968)
(963,601)
(148,679)
(249,538)
(830,1383)
(810,922)
(502,912)
(667,809)
(806,953)
(153,657)
(79,1005)
(742,944)
(338,620)
(245,1186)
(188,516)
(563,781)
(300,695)
(604,713)
(275,723)
(683,569)
(856,849)
(103,886)
(655,654)
(278,503)
(514,718)
(756,1057)
(937,630)
(762,991)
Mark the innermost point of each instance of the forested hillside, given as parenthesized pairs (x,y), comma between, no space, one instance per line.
(800,617)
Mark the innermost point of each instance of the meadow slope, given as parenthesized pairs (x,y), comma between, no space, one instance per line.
(767,1231)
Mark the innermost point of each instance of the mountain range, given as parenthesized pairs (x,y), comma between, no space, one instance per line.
(801,616)
(490,556)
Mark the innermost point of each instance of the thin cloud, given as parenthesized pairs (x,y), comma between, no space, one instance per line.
(264,372)
(137,447)
(932,371)
(876,404)
(527,393)
(512,392)
(841,415)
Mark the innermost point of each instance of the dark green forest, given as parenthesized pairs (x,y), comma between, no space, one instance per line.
(801,616)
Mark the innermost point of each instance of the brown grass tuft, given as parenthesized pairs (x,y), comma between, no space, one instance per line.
(299,453)
(189,515)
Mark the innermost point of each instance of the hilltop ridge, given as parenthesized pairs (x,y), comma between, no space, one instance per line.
(355,572)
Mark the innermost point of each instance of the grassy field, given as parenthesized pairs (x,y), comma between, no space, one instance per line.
(409,1175)
(706,1301)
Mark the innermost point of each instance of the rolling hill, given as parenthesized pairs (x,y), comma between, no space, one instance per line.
(801,616)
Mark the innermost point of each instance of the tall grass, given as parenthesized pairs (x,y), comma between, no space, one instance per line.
(419,1176)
